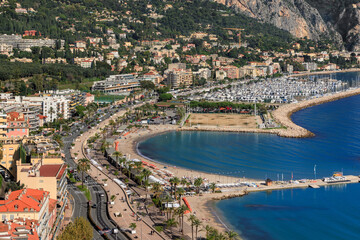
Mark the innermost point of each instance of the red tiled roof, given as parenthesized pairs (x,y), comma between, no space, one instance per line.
(15,116)
(42,117)
(12,228)
(50,170)
(18,201)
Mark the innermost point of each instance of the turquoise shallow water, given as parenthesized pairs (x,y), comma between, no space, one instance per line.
(326,213)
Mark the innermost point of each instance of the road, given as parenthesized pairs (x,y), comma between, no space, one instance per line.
(80,206)
(144,229)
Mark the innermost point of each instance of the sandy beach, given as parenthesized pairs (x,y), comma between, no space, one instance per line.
(200,204)
(283,114)
(128,145)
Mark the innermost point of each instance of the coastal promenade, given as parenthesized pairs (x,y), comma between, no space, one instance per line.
(121,205)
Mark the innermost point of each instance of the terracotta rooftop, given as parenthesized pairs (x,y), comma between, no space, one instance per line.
(52,170)
(15,116)
(13,228)
(24,200)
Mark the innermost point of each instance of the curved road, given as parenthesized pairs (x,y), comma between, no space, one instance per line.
(80,206)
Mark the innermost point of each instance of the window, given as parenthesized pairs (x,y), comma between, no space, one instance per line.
(11,217)
(3,162)
(3,217)
(11,149)
(41,181)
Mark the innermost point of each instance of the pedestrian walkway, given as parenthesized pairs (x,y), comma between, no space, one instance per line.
(143,229)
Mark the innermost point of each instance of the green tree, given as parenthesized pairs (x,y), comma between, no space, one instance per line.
(212,186)
(83,167)
(79,229)
(231,235)
(132,226)
(165,96)
(197,183)
(117,155)
(170,223)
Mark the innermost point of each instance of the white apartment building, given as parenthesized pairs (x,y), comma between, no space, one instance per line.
(55,107)
(52,107)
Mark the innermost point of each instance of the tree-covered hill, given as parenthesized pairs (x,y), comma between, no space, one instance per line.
(74,19)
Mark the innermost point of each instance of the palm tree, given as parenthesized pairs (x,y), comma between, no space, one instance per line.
(197,183)
(121,162)
(197,223)
(220,236)
(183,182)
(138,166)
(209,231)
(146,173)
(130,166)
(167,199)
(232,235)
(157,189)
(181,212)
(174,182)
(146,185)
(83,167)
(170,223)
(104,145)
(192,219)
(212,187)
(180,192)
(117,154)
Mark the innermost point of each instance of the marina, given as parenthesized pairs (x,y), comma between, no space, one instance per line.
(278,90)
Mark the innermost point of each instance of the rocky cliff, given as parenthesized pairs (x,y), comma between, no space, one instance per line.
(338,20)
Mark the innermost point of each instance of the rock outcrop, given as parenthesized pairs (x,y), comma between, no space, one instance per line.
(338,20)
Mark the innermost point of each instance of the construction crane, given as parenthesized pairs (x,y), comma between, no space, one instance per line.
(237,29)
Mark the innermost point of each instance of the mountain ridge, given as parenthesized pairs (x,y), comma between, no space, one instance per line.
(337,20)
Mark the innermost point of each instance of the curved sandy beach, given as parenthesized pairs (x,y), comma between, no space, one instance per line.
(128,146)
(283,114)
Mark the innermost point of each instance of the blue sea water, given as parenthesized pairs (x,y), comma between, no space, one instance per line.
(335,147)
(297,214)
(325,213)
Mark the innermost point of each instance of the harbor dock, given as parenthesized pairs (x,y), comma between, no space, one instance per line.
(279,185)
